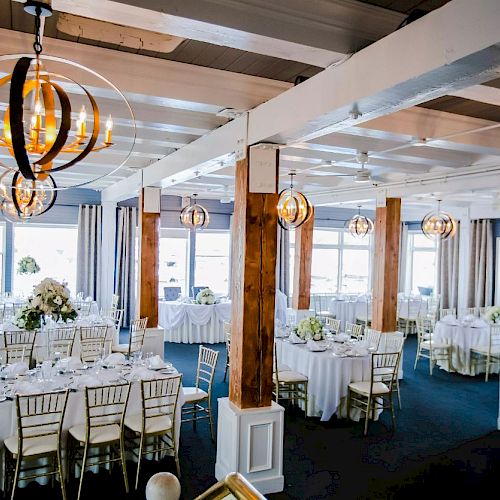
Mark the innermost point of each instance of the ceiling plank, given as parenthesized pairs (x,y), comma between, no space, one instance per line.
(480,93)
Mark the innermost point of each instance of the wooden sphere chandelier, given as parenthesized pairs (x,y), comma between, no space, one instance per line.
(359,226)
(194,216)
(439,225)
(294,209)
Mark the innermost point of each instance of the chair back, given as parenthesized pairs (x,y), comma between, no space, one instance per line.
(207,361)
(372,337)
(196,289)
(105,405)
(137,333)
(61,340)
(483,311)
(494,339)
(19,346)
(92,340)
(39,416)
(355,330)
(333,324)
(382,362)
(171,293)
(115,315)
(82,307)
(468,311)
(159,399)
(115,301)
(448,312)
(391,343)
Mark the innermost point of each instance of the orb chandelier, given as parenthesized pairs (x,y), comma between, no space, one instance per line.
(439,225)
(194,216)
(360,225)
(39,133)
(23,198)
(294,209)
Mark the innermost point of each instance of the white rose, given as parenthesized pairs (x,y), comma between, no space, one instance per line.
(58,300)
(317,336)
(64,309)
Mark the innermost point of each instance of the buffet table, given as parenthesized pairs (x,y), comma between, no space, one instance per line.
(329,376)
(193,323)
(462,337)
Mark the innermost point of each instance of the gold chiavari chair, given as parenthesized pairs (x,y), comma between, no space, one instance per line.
(429,348)
(198,401)
(333,325)
(157,420)
(372,395)
(452,311)
(18,346)
(372,337)
(115,301)
(92,341)
(115,315)
(289,385)
(491,351)
(61,340)
(39,426)
(227,334)
(137,332)
(354,330)
(393,343)
(103,431)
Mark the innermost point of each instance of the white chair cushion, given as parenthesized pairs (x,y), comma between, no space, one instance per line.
(31,447)
(435,345)
(364,388)
(192,394)
(123,348)
(154,425)
(290,376)
(284,368)
(98,435)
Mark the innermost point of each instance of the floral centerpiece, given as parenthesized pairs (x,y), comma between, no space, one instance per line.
(310,328)
(27,265)
(206,297)
(50,298)
(493,314)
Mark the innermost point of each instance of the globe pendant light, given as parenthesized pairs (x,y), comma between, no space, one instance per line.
(439,225)
(194,216)
(294,209)
(359,226)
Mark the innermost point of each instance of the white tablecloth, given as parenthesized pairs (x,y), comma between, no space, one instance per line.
(347,310)
(462,338)
(329,376)
(193,323)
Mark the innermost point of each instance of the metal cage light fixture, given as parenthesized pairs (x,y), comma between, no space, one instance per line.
(294,209)
(439,225)
(360,225)
(194,216)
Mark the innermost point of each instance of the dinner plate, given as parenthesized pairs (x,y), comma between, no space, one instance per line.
(158,368)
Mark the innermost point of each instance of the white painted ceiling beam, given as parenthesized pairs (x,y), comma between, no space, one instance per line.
(153,80)
(287,29)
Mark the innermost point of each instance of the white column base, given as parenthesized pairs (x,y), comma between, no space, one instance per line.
(251,442)
(153,341)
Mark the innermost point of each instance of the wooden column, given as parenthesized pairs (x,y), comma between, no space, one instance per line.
(253,289)
(149,244)
(302,265)
(386,265)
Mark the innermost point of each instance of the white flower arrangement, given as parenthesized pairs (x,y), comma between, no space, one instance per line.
(310,328)
(27,265)
(205,297)
(52,298)
(493,314)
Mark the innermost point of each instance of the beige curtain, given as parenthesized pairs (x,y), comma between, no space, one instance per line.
(448,270)
(480,283)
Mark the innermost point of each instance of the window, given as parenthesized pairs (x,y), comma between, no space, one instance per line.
(212,260)
(173,259)
(340,262)
(53,248)
(421,269)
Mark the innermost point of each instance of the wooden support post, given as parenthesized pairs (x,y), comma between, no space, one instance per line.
(302,265)
(253,288)
(386,265)
(149,241)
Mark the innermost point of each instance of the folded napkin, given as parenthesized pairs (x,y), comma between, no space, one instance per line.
(315,346)
(156,362)
(117,358)
(295,339)
(15,369)
(87,381)
(141,373)
(71,363)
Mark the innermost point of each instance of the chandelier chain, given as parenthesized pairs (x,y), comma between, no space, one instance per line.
(37,44)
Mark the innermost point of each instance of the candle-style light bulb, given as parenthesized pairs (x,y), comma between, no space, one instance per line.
(81,124)
(109,131)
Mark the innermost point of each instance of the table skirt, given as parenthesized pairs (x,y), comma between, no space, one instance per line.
(189,333)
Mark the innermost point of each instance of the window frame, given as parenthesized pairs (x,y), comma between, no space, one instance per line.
(411,248)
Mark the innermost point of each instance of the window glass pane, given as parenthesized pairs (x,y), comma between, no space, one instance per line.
(424,270)
(420,240)
(53,248)
(172,270)
(349,239)
(325,237)
(212,260)
(355,264)
(324,270)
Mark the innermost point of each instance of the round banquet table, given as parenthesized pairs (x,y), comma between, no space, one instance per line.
(345,311)
(193,323)
(329,376)
(462,337)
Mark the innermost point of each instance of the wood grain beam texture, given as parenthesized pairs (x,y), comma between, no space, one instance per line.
(149,235)
(253,291)
(386,265)
(302,265)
